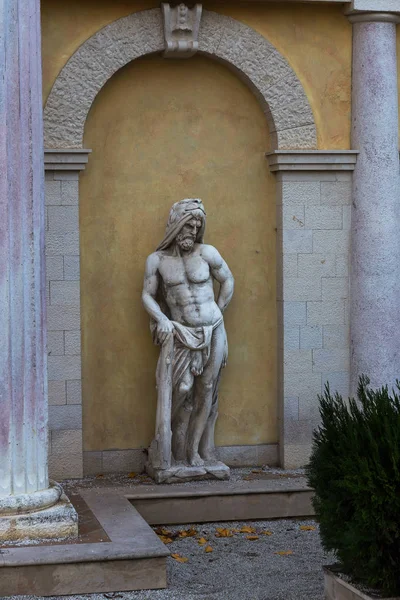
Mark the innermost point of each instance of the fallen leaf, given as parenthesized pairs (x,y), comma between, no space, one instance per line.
(165,539)
(247,529)
(267,532)
(100,476)
(252,538)
(132,475)
(208,549)
(223,532)
(188,533)
(163,531)
(307,528)
(284,552)
(202,541)
(256,471)
(179,558)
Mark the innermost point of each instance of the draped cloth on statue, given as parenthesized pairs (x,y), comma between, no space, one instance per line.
(188,347)
(192,347)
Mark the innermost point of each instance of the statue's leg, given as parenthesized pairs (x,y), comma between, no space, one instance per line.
(181,411)
(204,386)
(207,444)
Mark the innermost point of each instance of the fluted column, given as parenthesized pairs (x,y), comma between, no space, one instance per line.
(375,229)
(24,484)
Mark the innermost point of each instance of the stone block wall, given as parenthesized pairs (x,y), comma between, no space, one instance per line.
(313,239)
(63,322)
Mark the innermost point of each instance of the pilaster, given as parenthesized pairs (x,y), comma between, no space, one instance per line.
(62,169)
(313,216)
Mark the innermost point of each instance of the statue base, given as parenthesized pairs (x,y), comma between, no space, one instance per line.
(181,472)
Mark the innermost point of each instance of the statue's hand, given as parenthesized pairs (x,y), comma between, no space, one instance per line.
(164,328)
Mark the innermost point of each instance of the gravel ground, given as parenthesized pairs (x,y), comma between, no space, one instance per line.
(239,568)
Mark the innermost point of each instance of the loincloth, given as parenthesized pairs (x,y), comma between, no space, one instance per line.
(192,347)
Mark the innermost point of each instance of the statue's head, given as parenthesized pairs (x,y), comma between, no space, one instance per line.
(186,224)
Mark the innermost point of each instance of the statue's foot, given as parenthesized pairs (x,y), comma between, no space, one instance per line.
(195,460)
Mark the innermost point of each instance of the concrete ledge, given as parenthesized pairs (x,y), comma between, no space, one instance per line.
(338,589)
(179,504)
(66,159)
(122,552)
(84,578)
(312,160)
(133,559)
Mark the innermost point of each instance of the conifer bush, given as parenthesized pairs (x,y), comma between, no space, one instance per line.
(355,471)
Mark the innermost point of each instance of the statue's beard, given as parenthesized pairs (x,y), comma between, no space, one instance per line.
(185,241)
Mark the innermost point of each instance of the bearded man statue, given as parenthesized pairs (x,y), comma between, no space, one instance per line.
(187,322)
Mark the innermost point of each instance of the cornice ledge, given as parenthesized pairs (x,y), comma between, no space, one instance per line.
(312,160)
(369,11)
(373,17)
(65,159)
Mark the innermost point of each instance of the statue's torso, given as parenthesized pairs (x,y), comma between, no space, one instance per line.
(188,288)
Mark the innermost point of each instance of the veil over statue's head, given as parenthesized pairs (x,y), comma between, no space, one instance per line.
(180,213)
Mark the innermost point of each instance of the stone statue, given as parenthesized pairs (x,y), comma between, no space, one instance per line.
(187,322)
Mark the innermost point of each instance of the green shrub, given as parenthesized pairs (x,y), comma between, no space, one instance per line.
(355,472)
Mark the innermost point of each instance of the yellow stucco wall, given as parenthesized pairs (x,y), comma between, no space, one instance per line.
(315,39)
(161,131)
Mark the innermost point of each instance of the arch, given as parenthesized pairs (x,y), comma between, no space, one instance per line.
(222,38)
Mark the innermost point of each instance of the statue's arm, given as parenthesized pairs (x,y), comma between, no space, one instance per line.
(150,287)
(221,272)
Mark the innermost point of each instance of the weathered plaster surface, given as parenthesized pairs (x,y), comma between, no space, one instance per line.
(216,135)
(375,281)
(327,226)
(298,31)
(253,58)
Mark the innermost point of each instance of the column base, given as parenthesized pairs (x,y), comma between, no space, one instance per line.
(59,521)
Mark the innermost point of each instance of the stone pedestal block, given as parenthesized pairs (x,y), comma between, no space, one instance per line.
(57,521)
